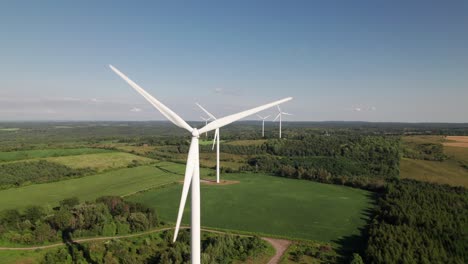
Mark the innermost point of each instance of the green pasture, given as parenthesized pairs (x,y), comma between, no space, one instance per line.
(271,205)
(118,182)
(101,161)
(9,129)
(44,153)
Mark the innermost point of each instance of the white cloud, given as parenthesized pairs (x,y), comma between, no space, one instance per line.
(234,92)
(136,109)
(361,108)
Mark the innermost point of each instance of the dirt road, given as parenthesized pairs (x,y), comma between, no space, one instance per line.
(280,246)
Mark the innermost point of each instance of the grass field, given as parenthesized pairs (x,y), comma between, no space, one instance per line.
(446,172)
(101,161)
(271,205)
(21,257)
(118,182)
(449,171)
(10,129)
(247,142)
(44,153)
(456,141)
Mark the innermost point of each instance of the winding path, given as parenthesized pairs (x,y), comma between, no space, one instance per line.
(280,245)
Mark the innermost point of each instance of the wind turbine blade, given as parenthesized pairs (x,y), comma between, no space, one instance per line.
(260,116)
(204,110)
(287,114)
(266,117)
(214,139)
(279,109)
(191,160)
(173,117)
(232,118)
(276,117)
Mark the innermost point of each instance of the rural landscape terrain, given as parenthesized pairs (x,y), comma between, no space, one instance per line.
(327,192)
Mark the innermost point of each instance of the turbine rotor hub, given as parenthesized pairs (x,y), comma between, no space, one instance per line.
(195,133)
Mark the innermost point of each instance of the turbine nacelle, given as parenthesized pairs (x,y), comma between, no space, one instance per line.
(195,133)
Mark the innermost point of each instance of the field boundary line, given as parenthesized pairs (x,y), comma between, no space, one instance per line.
(147,189)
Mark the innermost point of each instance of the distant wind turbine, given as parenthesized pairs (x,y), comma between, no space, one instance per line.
(192,170)
(215,140)
(263,123)
(280,114)
(206,123)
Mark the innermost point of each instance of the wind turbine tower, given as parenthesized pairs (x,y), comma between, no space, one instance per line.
(280,115)
(192,170)
(215,140)
(263,124)
(206,123)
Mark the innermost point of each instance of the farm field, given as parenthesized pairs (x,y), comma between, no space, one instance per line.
(118,182)
(101,161)
(271,205)
(449,171)
(445,172)
(456,141)
(45,153)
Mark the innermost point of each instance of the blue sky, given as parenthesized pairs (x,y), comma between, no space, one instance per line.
(340,60)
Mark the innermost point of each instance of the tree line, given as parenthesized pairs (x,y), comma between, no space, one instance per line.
(417,222)
(20,173)
(158,248)
(107,216)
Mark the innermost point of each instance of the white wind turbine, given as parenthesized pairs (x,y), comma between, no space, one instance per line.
(215,140)
(206,123)
(281,113)
(263,123)
(192,170)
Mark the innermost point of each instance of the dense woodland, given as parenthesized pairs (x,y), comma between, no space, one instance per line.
(426,151)
(418,222)
(159,249)
(107,216)
(22,173)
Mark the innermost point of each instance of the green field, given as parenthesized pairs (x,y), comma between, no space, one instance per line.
(118,182)
(11,129)
(271,205)
(44,153)
(8,257)
(101,161)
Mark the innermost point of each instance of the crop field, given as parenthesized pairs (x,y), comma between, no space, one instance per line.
(118,182)
(101,161)
(252,142)
(457,141)
(44,153)
(271,205)
(445,172)
(452,171)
